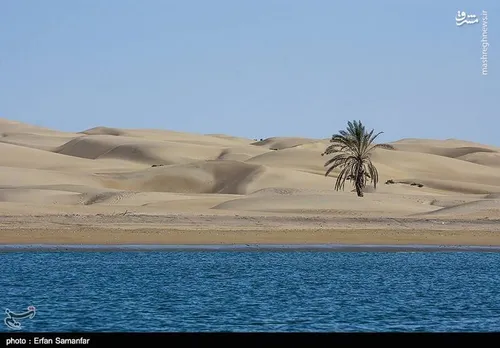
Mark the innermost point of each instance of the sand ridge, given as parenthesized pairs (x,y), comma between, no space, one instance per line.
(106,170)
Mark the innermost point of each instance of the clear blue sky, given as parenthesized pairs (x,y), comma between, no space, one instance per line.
(253,68)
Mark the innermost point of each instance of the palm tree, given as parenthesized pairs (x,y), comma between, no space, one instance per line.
(351,150)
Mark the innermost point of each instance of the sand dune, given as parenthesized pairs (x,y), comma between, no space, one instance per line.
(448,148)
(103,131)
(341,204)
(17,177)
(280,143)
(17,133)
(141,150)
(24,157)
(38,141)
(491,159)
(306,160)
(425,166)
(106,169)
(476,209)
(27,195)
(135,150)
(11,126)
(198,177)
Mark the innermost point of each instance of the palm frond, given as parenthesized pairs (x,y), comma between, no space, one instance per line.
(383,146)
(339,161)
(375,136)
(372,170)
(344,173)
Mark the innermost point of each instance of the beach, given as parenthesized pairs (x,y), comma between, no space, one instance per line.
(226,230)
(124,186)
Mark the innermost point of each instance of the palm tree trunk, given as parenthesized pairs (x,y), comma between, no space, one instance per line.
(359,190)
(360,183)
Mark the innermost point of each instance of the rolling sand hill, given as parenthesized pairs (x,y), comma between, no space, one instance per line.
(130,180)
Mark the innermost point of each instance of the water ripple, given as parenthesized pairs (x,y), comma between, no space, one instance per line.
(254,291)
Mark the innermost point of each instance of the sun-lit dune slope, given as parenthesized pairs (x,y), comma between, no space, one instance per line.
(35,140)
(243,141)
(486,208)
(16,156)
(169,135)
(431,145)
(16,177)
(464,150)
(280,143)
(430,168)
(17,133)
(341,203)
(491,159)
(294,158)
(25,157)
(20,127)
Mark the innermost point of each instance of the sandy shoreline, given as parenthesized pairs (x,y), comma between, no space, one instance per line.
(100,236)
(243,248)
(239,230)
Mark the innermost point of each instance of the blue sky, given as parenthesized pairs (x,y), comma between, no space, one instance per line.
(255,68)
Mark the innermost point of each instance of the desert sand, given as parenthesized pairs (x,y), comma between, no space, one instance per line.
(117,186)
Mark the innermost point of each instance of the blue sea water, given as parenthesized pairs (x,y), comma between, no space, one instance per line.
(253,291)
